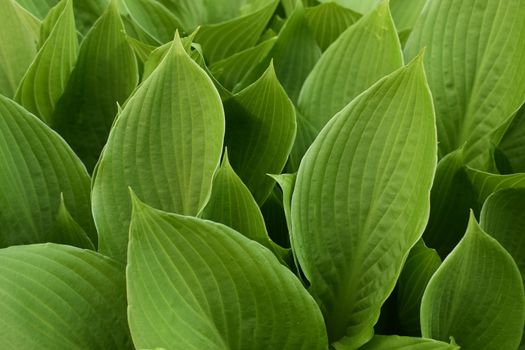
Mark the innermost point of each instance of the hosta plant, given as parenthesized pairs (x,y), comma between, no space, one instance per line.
(262,174)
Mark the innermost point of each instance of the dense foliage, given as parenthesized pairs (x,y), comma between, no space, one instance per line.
(262,174)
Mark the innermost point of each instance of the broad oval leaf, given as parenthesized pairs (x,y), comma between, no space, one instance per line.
(19,33)
(260,133)
(37,167)
(295,53)
(47,77)
(105,74)
(486,183)
(232,204)
(198,284)
(503,217)
(475,87)
(230,71)
(346,68)
(224,39)
(361,200)
(59,297)
(419,267)
(512,143)
(395,342)
(476,296)
(328,20)
(451,198)
(166,144)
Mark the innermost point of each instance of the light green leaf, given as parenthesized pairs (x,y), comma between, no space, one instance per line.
(503,217)
(59,297)
(475,87)
(476,296)
(363,54)
(232,204)
(67,230)
(234,295)
(327,21)
(224,39)
(166,146)
(153,18)
(361,200)
(230,71)
(295,53)
(451,198)
(487,183)
(260,132)
(360,6)
(39,8)
(395,342)
(47,77)
(512,143)
(106,73)
(406,13)
(419,267)
(37,166)
(142,50)
(19,33)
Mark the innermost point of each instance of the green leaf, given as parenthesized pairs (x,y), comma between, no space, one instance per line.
(230,71)
(153,18)
(166,144)
(363,54)
(475,87)
(361,200)
(198,284)
(406,13)
(67,230)
(487,183)
(419,267)
(360,6)
(106,73)
(46,79)
(260,132)
(224,39)
(476,296)
(451,198)
(37,166)
(503,217)
(61,297)
(295,53)
(327,21)
(395,342)
(232,204)
(512,144)
(39,8)
(19,33)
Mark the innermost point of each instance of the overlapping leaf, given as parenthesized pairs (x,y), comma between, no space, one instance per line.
(394,342)
(198,284)
(37,167)
(361,200)
(451,198)
(105,74)
(363,54)
(60,297)
(166,144)
(19,33)
(419,267)
(487,183)
(260,132)
(476,296)
(512,143)
(224,39)
(475,67)
(503,217)
(45,81)
(232,204)
(328,20)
